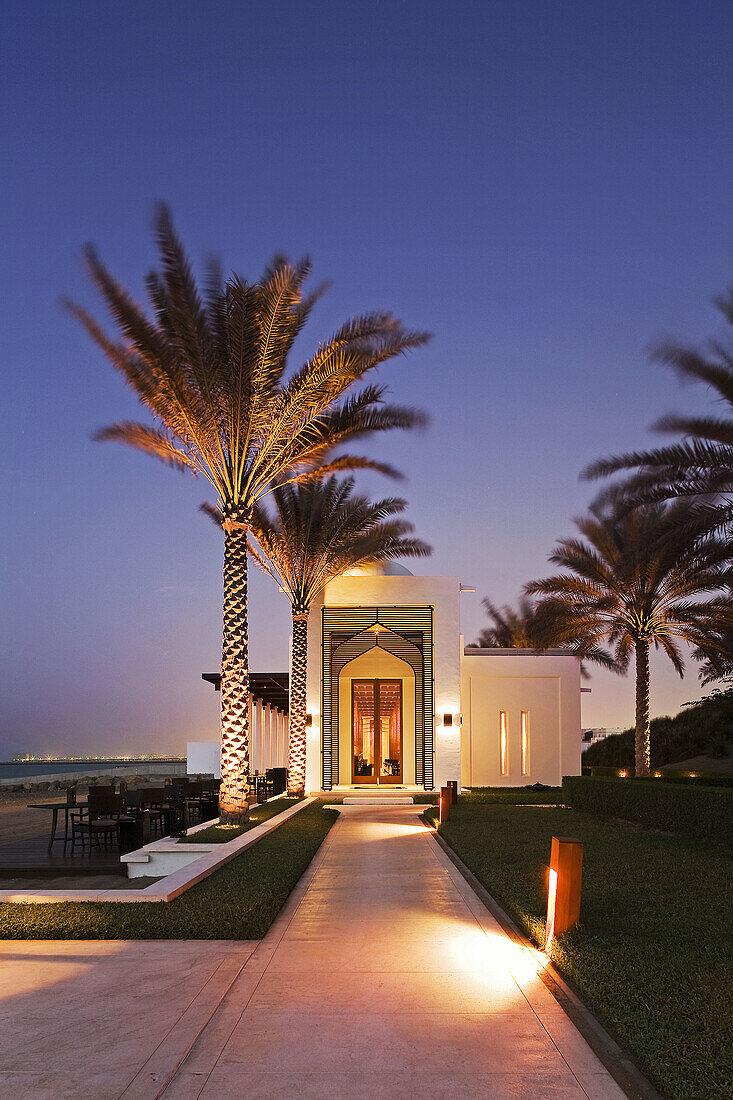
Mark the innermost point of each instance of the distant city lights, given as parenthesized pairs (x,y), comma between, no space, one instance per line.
(136,758)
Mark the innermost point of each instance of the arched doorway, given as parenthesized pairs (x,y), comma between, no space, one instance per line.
(404,632)
(377,720)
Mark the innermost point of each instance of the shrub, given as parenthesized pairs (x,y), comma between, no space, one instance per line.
(606,772)
(704,812)
(702,728)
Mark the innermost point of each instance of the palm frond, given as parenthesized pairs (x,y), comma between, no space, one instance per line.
(148,440)
(319,530)
(640,574)
(211,368)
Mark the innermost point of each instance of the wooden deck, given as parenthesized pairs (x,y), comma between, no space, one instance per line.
(32,856)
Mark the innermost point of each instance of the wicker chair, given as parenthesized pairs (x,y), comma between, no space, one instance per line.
(100,821)
(153,799)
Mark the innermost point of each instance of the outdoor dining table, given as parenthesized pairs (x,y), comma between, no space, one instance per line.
(55,807)
(261,787)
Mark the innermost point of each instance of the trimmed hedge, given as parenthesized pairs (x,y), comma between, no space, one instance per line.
(705,813)
(704,779)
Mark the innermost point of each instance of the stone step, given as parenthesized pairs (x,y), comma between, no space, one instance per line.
(385,800)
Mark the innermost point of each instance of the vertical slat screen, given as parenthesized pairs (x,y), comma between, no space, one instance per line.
(409,635)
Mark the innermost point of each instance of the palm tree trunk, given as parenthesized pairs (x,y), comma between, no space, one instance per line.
(234,679)
(298,675)
(642,740)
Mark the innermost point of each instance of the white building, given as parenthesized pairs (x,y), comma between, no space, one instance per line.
(596,734)
(395,700)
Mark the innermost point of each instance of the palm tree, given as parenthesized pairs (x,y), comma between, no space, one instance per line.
(319,531)
(700,465)
(636,579)
(210,367)
(529,626)
(510,628)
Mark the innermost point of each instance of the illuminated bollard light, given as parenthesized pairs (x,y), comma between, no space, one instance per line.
(563,895)
(444,804)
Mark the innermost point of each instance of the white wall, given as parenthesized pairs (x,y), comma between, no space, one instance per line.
(268,744)
(547,687)
(203,758)
(443,593)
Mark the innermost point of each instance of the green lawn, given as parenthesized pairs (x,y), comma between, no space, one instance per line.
(652,954)
(239,902)
(220,834)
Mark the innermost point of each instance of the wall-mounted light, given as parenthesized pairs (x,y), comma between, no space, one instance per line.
(309,719)
(447,719)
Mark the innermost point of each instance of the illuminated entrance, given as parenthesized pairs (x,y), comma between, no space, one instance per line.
(376,731)
(350,634)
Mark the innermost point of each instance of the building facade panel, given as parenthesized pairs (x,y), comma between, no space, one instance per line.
(539,696)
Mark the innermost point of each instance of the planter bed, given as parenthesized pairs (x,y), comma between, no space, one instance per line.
(210,832)
(651,955)
(239,901)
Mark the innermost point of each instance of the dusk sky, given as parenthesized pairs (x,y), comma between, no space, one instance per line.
(547,187)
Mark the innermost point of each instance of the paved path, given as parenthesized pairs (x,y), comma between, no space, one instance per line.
(85,1019)
(384,976)
(387,977)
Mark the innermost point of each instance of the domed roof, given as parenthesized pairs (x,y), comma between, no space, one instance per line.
(379,569)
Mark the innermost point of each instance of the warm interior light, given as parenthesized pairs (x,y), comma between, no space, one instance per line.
(503,750)
(525,742)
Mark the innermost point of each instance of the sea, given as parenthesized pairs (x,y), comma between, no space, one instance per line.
(27,768)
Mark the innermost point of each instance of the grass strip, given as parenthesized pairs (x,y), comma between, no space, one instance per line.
(513,796)
(238,902)
(220,834)
(651,954)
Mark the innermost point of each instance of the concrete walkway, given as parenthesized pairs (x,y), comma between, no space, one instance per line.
(93,1018)
(384,976)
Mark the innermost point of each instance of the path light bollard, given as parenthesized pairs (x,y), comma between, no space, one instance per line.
(444,804)
(563,895)
(453,788)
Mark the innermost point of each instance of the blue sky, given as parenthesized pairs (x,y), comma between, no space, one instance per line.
(546,187)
